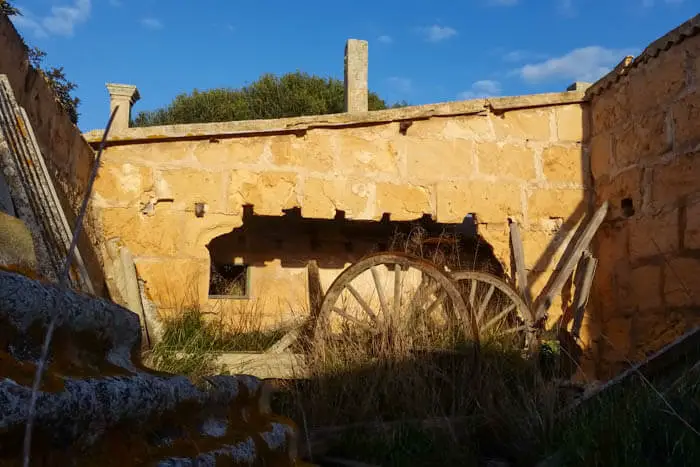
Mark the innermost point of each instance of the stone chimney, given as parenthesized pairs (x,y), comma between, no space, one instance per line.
(356,76)
(124,96)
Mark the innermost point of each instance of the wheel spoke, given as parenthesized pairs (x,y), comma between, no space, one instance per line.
(485,303)
(359,323)
(397,289)
(362,303)
(380,292)
(498,317)
(472,294)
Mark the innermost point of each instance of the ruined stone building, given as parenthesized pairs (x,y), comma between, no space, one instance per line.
(257,200)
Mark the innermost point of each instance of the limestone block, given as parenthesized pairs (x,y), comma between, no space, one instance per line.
(681,286)
(625,185)
(653,235)
(268,192)
(190,186)
(647,287)
(543,203)
(686,113)
(175,283)
(429,129)
(658,82)
(527,124)
(645,137)
(691,236)
(433,160)
(16,245)
(229,152)
(403,202)
(569,120)
(609,109)
(515,161)
(123,184)
(491,201)
(173,152)
(314,151)
(498,236)
(542,249)
(674,180)
(618,338)
(563,164)
(473,127)
(363,156)
(322,198)
(157,235)
(600,154)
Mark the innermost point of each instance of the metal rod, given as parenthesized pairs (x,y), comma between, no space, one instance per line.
(62,280)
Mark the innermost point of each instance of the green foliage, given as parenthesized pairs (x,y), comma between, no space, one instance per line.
(7,9)
(58,82)
(291,95)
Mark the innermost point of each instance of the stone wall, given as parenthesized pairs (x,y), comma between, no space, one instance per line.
(67,154)
(518,158)
(645,143)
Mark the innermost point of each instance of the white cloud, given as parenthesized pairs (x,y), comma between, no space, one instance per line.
(566,7)
(584,64)
(480,89)
(436,33)
(400,85)
(61,22)
(503,2)
(522,55)
(384,39)
(151,23)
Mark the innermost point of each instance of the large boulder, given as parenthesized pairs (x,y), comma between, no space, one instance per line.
(99,405)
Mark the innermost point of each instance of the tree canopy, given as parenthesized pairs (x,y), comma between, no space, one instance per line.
(55,76)
(291,95)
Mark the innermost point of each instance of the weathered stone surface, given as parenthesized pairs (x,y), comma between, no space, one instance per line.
(685,113)
(268,192)
(674,180)
(569,119)
(95,386)
(691,236)
(322,198)
(625,185)
(403,202)
(491,201)
(187,186)
(654,235)
(600,154)
(506,160)
(529,124)
(647,287)
(563,164)
(433,160)
(123,185)
(643,138)
(542,204)
(16,245)
(680,282)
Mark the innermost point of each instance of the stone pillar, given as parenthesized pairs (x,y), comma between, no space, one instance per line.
(356,76)
(124,96)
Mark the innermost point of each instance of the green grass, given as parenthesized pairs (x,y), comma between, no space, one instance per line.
(189,343)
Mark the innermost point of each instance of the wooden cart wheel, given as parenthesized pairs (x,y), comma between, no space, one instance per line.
(500,313)
(385,296)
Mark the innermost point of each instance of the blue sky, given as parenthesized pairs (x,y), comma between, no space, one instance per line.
(421,51)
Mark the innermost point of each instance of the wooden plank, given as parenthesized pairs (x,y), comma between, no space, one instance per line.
(315,302)
(568,262)
(587,266)
(518,251)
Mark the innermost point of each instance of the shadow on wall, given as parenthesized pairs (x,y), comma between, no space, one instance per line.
(295,240)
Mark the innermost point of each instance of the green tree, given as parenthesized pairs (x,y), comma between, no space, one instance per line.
(291,95)
(55,76)
(58,82)
(7,9)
